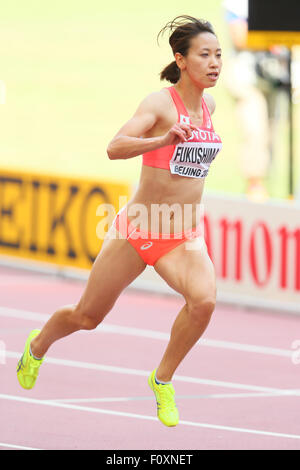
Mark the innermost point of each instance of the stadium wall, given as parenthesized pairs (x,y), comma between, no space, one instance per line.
(50,224)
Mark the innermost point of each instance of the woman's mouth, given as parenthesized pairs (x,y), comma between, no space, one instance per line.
(213,75)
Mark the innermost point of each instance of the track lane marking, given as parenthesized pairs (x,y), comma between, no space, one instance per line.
(145,373)
(152,334)
(14,446)
(178,397)
(146,417)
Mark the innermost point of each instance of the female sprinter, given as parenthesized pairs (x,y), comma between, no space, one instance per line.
(172,128)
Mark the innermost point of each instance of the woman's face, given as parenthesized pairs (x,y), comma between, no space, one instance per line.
(203,63)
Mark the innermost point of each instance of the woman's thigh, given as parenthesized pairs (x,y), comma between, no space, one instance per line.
(189,270)
(116,266)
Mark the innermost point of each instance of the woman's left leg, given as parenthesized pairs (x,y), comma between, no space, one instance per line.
(189,271)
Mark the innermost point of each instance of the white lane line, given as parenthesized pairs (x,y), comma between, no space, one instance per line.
(178,397)
(14,446)
(145,333)
(145,373)
(108,328)
(145,417)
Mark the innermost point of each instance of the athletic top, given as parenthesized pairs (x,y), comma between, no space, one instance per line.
(192,158)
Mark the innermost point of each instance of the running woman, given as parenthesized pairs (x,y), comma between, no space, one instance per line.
(172,129)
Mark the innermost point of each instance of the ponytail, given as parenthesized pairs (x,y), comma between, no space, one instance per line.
(171,73)
(182,30)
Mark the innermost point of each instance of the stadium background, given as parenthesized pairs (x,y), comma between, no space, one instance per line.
(74,72)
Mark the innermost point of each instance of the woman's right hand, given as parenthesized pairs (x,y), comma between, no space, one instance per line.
(177,134)
(130,142)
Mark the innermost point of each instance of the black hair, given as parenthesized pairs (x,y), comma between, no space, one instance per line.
(182,29)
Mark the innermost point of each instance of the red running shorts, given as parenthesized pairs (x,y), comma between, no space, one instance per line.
(149,245)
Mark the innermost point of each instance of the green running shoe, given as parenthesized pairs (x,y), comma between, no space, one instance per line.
(28,366)
(167,411)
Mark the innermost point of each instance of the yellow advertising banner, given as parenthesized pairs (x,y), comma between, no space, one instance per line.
(56,219)
(262,40)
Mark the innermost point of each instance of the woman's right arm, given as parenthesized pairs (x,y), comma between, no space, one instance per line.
(129,141)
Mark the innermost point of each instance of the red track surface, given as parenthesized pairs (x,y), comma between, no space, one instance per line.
(92,392)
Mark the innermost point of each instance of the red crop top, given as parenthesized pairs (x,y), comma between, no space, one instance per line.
(194,157)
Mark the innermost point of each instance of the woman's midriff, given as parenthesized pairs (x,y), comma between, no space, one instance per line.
(165,203)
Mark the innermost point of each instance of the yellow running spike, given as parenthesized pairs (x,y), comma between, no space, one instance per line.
(28,366)
(166,407)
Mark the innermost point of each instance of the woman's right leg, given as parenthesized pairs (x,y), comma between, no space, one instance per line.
(116,266)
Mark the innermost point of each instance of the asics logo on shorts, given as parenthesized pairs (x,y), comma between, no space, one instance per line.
(146,246)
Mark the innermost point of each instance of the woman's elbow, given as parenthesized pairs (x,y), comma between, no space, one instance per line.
(110,152)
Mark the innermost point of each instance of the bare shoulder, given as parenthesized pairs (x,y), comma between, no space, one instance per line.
(156,102)
(210,102)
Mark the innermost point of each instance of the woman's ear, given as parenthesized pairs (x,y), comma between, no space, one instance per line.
(180,60)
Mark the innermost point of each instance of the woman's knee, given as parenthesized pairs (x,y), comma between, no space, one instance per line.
(201,308)
(87,317)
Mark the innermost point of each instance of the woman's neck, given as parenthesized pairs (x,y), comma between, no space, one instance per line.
(191,95)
